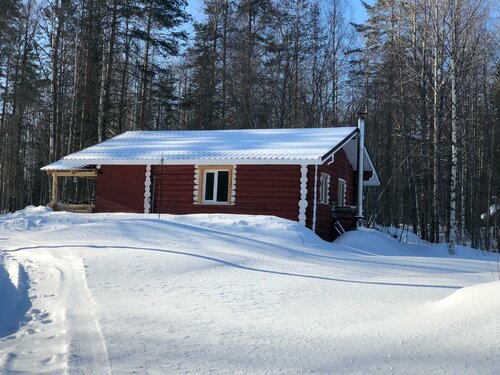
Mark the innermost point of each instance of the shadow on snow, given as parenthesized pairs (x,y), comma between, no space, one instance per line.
(239,266)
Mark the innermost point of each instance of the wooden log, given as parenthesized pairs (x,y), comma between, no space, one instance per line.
(55,188)
(80,208)
(88,173)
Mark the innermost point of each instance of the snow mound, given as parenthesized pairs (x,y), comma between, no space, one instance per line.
(14,299)
(480,299)
(374,242)
(34,219)
(27,219)
(462,252)
(402,235)
(269,228)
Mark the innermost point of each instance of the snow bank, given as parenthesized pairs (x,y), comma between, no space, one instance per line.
(374,242)
(402,235)
(27,219)
(265,228)
(482,300)
(121,293)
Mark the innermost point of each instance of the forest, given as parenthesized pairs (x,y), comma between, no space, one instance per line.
(427,72)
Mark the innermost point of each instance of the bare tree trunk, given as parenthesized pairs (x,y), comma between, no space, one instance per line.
(74,102)
(144,84)
(107,75)
(213,70)
(454,133)
(435,134)
(295,92)
(55,42)
(224,62)
(3,141)
(124,80)
(87,126)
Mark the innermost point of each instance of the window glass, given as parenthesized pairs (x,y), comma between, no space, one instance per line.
(324,186)
(209,186)
(222,185)
(216,186)
(341,192)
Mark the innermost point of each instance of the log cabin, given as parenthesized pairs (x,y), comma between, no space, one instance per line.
(314,175)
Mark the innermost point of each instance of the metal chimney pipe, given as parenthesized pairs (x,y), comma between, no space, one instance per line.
(361,150)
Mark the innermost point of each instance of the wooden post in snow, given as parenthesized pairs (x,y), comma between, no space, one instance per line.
(55,189)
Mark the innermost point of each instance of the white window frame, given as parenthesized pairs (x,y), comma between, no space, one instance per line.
(341,192)
(324,188)
(216,171)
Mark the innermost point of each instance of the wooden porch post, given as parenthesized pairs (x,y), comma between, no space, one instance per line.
(55,188)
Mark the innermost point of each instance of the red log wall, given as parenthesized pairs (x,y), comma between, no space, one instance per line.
(260,190)
(120,188)
(341,168)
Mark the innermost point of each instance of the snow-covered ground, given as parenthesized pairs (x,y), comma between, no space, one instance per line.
(122,293)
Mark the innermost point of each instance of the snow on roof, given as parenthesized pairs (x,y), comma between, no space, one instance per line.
(66,165)
(255,146)
(260,144)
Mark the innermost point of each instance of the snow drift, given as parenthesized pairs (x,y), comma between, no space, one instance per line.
(121,293)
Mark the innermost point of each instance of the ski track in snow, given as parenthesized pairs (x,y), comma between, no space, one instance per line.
(87,348)
(231,294)
(64,317)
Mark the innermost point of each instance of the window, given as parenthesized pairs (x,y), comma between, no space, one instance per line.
(216,186)
(324,188)
(341,190)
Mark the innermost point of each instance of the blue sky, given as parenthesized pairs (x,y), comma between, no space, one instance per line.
(358,14)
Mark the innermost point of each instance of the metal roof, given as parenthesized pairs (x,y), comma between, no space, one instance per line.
(251,146)
(66,165)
